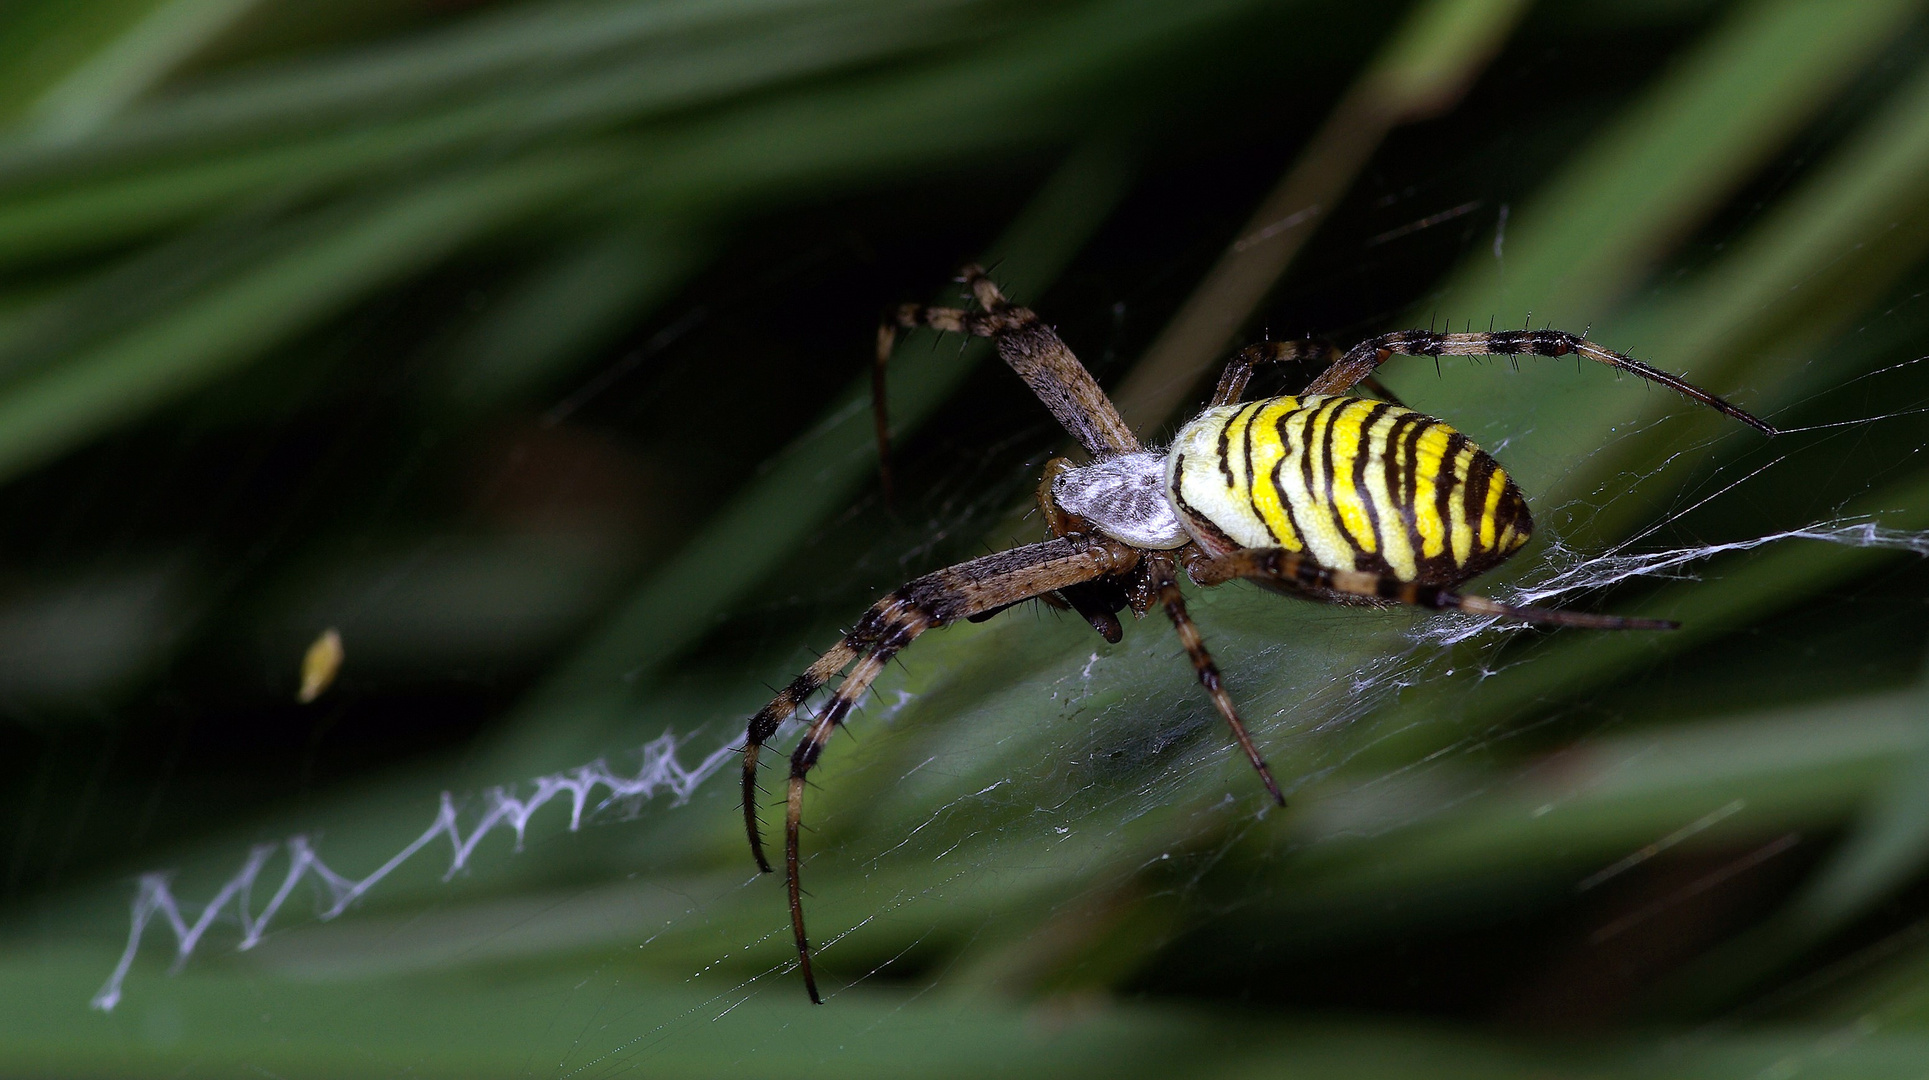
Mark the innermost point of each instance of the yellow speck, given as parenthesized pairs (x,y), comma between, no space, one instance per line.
(319,666)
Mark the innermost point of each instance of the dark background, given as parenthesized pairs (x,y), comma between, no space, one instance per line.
(524,343)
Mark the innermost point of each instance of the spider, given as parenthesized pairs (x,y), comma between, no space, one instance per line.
(1320,495)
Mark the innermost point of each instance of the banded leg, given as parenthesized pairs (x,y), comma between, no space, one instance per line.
(1294,569)
(1361,360)
(1031,348)
(1239,370)
(792,697)
(1160,567)
(988,323)
(829,718)
(959,592)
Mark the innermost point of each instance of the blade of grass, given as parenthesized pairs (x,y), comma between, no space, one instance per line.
(578,1019)
(52,416)
(806,482)
(491,47)
(1604,798)
(1426,64)
(60,212)
(1762,313)
(1887,847)
(47,41)
(131,66)
(1668,159)
(1013,94)
(231,324)
(592,95)
(560,312)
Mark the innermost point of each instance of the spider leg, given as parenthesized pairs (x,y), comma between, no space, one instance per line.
(1160,567)
(958,592)
(808,751)
(1380,392)
(1294,569)
(792,697)
(1361,360)
(910,317)
(1030,347)
(1239,369)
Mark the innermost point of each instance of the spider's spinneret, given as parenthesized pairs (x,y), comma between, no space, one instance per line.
(1354,483)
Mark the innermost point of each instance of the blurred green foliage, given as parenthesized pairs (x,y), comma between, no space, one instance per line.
(527,344)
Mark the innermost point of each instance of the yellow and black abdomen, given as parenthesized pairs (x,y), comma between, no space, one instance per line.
(1357,484)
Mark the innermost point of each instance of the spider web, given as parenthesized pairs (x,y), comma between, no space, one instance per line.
(1358,684)
(1013,791)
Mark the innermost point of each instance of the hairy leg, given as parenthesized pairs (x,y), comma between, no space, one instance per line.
(1030,347)
(958,592)
(1239,370)
(889,611)
(1160,568)
(1294,569)
(808,751)
(1361,360)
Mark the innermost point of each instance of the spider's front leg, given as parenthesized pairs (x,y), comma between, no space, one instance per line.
(1361,360)
(959,592)
(1028,346)
(792,697)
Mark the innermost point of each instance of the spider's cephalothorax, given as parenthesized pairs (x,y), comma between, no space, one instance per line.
(1321,495)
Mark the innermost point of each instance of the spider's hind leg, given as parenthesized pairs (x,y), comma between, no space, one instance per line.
(1293,569)
(1363,359)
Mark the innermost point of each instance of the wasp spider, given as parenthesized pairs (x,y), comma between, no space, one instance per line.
(1319,495)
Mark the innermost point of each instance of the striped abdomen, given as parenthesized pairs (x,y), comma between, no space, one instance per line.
(1357,484)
